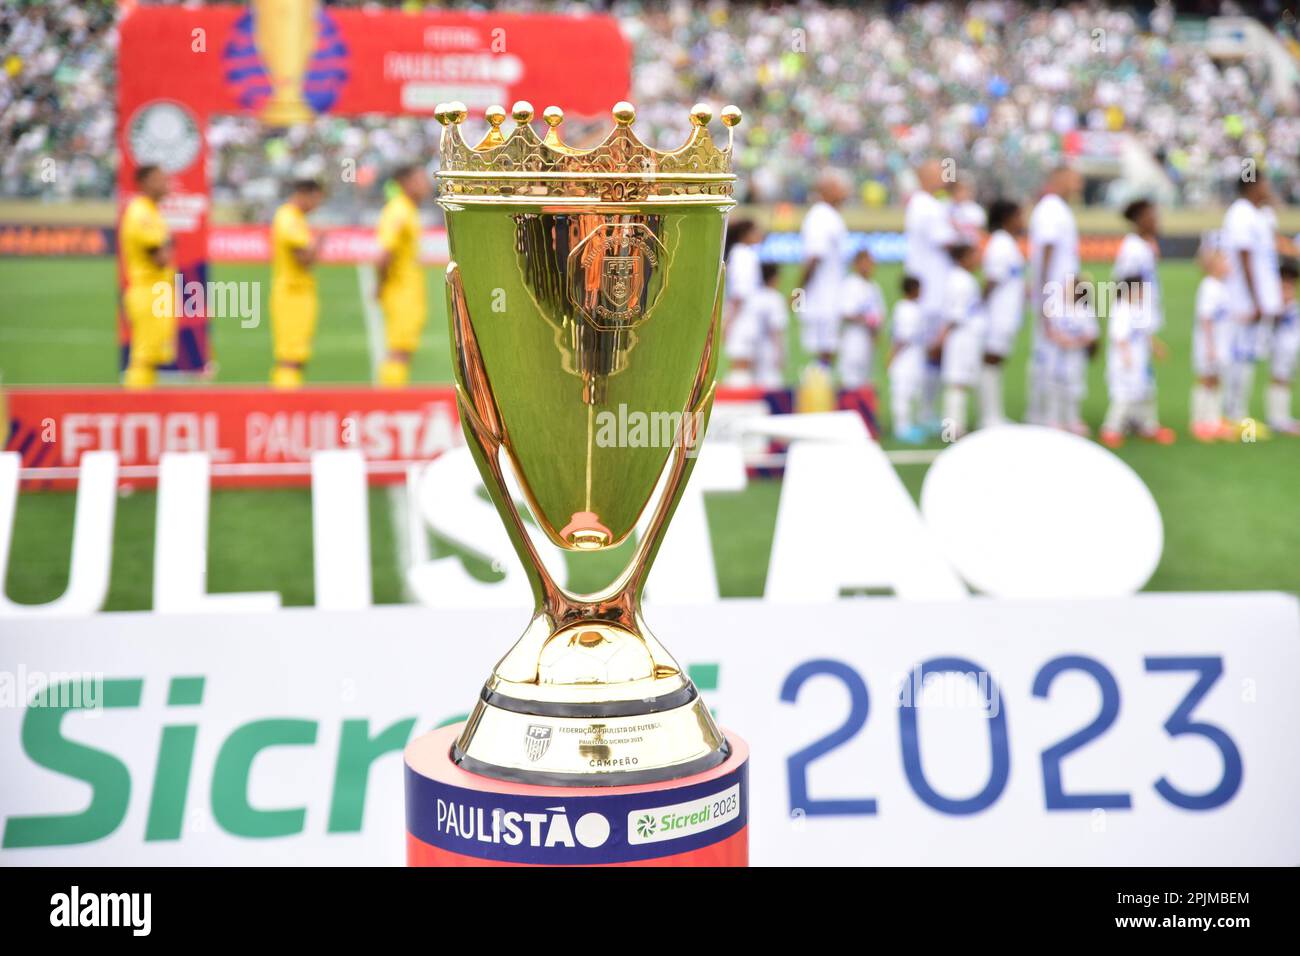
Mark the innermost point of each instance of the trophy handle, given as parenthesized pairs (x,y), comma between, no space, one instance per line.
(485,430)
(619,603)
(682,461)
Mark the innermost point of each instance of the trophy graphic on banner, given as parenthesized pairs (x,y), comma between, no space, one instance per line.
(585,289)
(285,33)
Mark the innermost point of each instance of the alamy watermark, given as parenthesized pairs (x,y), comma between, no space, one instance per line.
(630,428)
(960,690)
(216,300)
(71,690)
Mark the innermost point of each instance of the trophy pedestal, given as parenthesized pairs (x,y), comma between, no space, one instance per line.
(458,818)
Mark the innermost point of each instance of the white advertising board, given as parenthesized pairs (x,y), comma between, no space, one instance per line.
(1155,729)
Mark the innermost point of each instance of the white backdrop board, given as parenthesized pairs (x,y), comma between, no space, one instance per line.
(1157,729)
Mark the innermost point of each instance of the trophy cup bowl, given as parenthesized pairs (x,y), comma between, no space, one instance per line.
(584,293)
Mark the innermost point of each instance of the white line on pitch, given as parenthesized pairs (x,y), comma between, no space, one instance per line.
(374,318)
(409,540)
(916,456)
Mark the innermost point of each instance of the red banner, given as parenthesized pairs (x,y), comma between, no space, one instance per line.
(255,436)
(261,436)
(180,65)
(341,244)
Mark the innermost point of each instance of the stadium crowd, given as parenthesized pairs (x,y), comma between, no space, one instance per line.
(998,85)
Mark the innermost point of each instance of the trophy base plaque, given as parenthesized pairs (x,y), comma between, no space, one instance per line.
(458,818)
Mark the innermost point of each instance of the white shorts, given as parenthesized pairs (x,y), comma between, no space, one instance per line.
(768,371)
(1286,345)
(819,333)
(1134,383)
(741,341)
(907,371)
(1249,342)
(1000,338)
(855,356)
(1062,368)
(962,356)
(1202,366)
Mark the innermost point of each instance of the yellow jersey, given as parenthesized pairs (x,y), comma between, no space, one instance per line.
(290,233)
(399,236)
(142,231)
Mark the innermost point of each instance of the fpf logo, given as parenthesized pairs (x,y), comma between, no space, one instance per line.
(537,741)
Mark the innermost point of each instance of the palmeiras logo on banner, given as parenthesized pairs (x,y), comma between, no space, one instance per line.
(164,134)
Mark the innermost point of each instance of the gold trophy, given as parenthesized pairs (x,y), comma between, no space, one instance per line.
(585,292)
(285,33)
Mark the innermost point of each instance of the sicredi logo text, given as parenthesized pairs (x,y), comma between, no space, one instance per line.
(656,824)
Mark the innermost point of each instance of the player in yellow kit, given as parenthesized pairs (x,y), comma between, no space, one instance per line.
(146,247)
(293,287)
(401,277)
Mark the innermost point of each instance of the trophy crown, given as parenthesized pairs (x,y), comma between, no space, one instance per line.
(523,165)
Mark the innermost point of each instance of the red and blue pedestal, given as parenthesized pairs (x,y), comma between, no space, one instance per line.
(458,818)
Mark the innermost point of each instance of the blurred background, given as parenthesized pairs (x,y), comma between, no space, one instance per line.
(1162,100)
(1155,99)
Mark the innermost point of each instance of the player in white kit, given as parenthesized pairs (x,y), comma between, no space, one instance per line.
(968,216)
(1254,288)
(1128,368)
(928,234)
(907,362)
(741,256)
(756,345)
(1071,341)
(1053,271)
(1286,345)
(863,313)
(1139,255)
(1004,297)
(961,339)
(825,240)
(1212,340)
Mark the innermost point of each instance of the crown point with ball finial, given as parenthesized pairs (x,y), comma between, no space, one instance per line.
(621,167)
(624,113)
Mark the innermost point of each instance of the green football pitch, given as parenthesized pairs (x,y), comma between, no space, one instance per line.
(1229,510)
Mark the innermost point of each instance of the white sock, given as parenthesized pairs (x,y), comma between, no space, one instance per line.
(1200,413)
(1058,405)
(900,404)
(954,408)
(1070,401)
(1277,404)
(930,387)
(1240,384)
(991,409)
(1034,412)
(1148,420)
(1117,416)
(1214,404)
